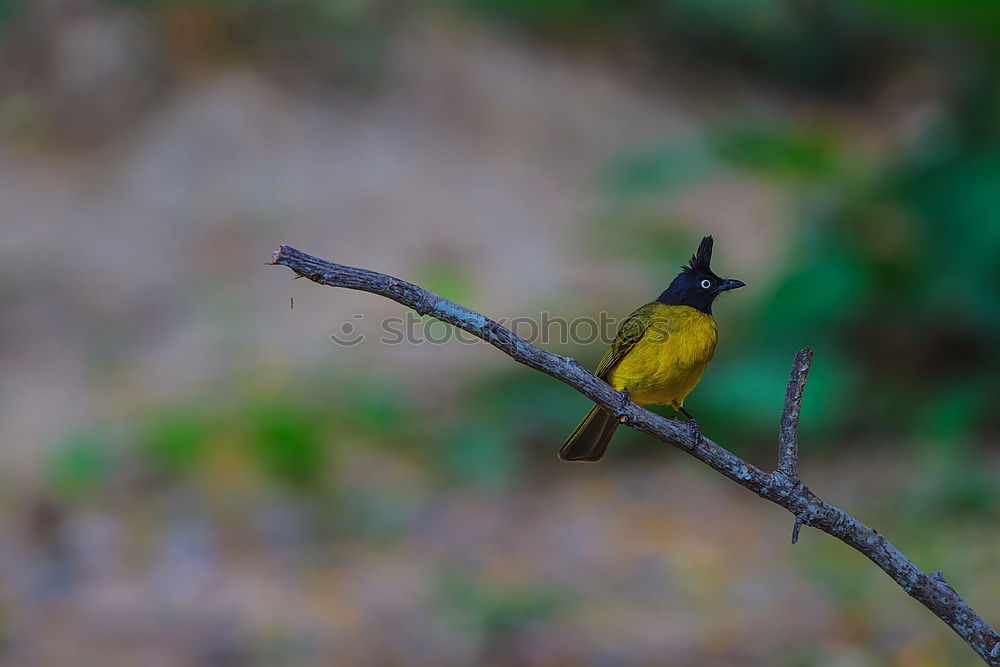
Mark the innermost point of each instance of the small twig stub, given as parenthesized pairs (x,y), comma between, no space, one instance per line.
(795,529)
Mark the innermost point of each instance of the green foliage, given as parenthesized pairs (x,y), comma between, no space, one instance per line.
(175,441)
(81,464)
(794,153)
(285,439)
(290,439)
(971,18)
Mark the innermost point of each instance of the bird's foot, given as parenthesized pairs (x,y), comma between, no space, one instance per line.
(694,430)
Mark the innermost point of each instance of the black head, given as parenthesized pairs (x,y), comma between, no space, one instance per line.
(697,285)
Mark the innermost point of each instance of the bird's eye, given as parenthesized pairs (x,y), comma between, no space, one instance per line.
(705,284)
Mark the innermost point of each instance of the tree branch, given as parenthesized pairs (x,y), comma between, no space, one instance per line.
(781,487)
(788,435)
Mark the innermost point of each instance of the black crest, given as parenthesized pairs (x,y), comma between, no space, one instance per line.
(701,260)
(697,285)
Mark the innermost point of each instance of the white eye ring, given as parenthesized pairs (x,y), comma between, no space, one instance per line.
(705,284)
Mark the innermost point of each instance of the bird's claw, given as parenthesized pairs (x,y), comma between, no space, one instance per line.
(694,430)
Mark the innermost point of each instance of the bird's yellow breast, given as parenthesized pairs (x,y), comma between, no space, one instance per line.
(669,360)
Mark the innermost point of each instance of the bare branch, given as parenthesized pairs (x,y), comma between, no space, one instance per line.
(780,489)
(788,434)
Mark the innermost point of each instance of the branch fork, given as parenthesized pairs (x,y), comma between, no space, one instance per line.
(781,487)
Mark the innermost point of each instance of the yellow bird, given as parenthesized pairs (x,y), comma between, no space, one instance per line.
(659,354)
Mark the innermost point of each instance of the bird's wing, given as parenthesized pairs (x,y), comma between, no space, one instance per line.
(629,333)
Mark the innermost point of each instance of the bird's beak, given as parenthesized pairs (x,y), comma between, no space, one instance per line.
(730,283)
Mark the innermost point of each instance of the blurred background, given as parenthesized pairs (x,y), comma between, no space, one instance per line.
(192,473)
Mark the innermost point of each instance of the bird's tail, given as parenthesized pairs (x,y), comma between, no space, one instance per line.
(590,439)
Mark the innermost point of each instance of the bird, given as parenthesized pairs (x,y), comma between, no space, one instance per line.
(659,353)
